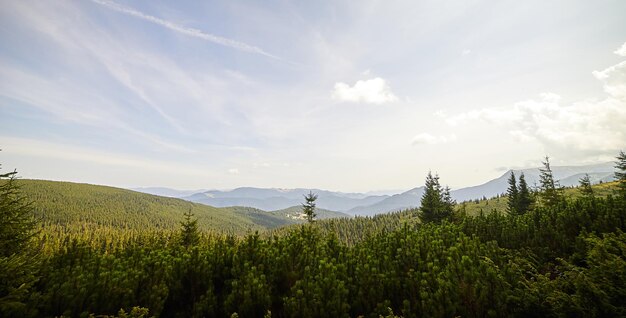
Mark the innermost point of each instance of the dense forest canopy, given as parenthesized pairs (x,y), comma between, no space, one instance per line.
(561,254)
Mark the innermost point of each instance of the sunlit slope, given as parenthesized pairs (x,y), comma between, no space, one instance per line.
(499,204)
(71,204)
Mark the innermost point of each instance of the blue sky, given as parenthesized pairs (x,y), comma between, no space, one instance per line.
(341,95)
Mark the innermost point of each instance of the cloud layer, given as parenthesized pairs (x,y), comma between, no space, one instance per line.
(588,127)
(372,91)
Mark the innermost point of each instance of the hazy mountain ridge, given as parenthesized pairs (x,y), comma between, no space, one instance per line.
(166,192)
(277,199)
(271,199)
(567,176)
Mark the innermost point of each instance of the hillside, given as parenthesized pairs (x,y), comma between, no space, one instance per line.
(295,212)
(567,175)
(67,203)
(499,203)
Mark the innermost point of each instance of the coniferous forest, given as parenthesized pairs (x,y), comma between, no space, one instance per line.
(548,255)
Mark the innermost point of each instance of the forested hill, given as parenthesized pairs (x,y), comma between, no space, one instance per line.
(499,203)
(76,204)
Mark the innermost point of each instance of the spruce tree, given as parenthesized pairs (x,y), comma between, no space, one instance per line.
(513,194)
(190,235)
(524,200)
(550,191)
(585,186)
(436,203)
(620,174)
(308,207)
(17,256)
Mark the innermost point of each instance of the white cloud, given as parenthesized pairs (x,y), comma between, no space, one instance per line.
(583,128)
(614,79)
(621,51)
(233,171)
(374,91)
(428,139)
(466,52)
(184,30)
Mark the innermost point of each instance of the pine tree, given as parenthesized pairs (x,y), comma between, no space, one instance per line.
(524,200)
(550,190)
(448,202)
(436,204)
(620,174)
(189,230)
(308,207)
(585,186)
(513,194)
(17,259)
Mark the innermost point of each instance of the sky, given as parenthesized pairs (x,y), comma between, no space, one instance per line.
(338,95)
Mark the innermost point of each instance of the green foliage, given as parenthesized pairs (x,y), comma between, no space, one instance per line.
(436,204)
(17,259)
(550,191)
(585,186)
(552,261)
(513,195)
(308,207)
(189,235)
(620,174)
(73,207)
(525,199)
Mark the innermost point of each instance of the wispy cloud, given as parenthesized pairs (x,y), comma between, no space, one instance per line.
(241,46)
(374,91)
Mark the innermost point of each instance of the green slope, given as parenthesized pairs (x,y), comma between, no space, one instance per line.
(295,212)
(74,204)
(499,204)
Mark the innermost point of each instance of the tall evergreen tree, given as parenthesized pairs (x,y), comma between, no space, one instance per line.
(513,194)
(448,202)
(190,235)
(524,199)
(550,191)
(436,204)
(308,207)
(620,173)
(17,259)
(585,186)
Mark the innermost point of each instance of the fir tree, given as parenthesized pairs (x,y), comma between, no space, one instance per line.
(585,186)
(308,207)
(620,174)
(17,259)
(513,194)
(436,203)
(189,230)
(550,190)
(524,200)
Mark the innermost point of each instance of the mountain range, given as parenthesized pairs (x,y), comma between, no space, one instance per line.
(271,199)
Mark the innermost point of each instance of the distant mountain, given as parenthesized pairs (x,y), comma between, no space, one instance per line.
(380,201)
(405,200)
(277,199)
(567,176)
(166,192)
